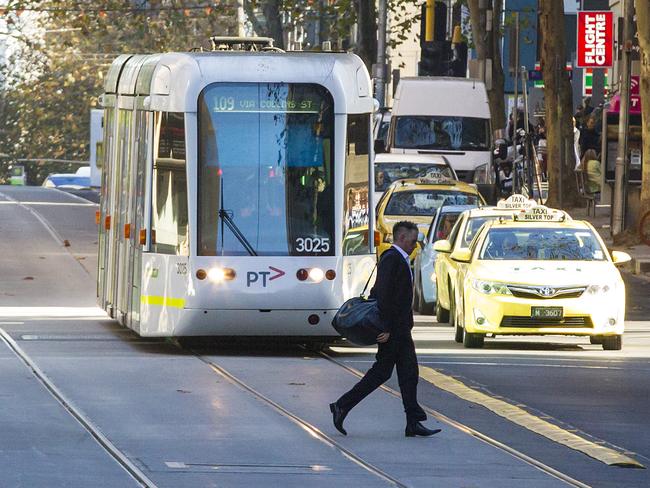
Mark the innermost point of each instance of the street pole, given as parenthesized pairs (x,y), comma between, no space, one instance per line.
(620,171)
(380,68)
(515,74)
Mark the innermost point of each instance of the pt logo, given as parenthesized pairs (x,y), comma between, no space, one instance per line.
(263,276)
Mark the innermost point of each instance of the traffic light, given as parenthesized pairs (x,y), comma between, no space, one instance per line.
(434,59)
(440,57)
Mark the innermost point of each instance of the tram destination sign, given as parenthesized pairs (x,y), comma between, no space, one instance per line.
(243,103)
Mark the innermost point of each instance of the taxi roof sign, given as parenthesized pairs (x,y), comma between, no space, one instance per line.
(540,213)
(516,202)
(435,179)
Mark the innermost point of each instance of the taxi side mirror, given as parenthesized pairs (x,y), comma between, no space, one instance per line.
(421,237)
(620,257)
(443,245)
(462,255)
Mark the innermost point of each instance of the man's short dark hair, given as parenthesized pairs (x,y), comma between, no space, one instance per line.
(403,226)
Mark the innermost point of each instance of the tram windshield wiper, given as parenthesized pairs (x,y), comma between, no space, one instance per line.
(226,218)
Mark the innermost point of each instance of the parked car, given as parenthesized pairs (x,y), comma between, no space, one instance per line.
(69,181)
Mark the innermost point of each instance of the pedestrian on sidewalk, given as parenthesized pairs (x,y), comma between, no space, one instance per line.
(590,166)
(393,291)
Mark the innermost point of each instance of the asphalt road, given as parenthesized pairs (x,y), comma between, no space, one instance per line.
(207,414)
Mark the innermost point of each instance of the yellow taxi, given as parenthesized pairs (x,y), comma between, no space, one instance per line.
(416,200)
(460,237)
(539,273)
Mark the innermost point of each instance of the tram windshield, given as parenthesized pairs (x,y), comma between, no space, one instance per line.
(265,159)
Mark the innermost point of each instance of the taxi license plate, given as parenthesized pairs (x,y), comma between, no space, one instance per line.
(546,312)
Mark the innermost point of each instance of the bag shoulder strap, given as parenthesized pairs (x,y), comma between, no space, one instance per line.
(363,293)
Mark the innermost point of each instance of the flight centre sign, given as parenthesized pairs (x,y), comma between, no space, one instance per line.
(595,39)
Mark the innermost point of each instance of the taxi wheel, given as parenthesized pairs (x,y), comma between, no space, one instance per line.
(596,339)
(442,314)
(612,343)
(453,320)
(417,300)
(420,305)
(473,340)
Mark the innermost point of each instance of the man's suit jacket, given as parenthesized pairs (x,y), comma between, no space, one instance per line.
(394,292)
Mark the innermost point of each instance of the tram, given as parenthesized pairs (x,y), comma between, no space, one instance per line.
(232,180)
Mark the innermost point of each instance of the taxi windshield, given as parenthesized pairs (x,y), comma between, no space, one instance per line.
(387,173)
(426,202)
(541,244)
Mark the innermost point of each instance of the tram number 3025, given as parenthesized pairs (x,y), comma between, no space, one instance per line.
(312,244)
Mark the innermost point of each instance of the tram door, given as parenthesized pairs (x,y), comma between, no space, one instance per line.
(104,242)
(140,157)
(111,228)
(123,221)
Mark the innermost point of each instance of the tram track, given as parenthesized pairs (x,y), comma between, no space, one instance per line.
(89,426)
(323,437)
(302,423)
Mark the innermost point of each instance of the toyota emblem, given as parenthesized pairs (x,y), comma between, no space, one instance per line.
(547,291)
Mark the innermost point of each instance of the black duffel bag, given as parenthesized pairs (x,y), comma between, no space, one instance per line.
(358,320)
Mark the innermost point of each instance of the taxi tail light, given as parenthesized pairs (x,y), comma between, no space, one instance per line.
(127,231)
(107,222)
(143,237)
(377,238)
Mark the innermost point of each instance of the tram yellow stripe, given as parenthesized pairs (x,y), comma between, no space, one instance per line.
(535,424)
(163,301)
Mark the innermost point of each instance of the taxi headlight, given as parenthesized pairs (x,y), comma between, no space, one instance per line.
(490,287)
(600,289)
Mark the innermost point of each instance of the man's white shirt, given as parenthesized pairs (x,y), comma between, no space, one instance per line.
(406,258)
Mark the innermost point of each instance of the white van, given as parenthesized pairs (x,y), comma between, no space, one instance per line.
(446,116)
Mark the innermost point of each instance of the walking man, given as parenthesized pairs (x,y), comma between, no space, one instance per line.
(394,293)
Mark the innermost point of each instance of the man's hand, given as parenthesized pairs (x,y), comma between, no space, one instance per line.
(383,337)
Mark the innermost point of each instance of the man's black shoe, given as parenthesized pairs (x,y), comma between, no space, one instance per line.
(338,416)
(416,428)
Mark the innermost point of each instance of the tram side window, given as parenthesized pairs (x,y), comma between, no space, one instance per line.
(169,215)
(355,223)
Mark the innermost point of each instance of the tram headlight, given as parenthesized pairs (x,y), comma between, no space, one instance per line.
(316,275)
(218,275)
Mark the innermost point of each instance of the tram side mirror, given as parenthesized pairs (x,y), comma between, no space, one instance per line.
(620,257)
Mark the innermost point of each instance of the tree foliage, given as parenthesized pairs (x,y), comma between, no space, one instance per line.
(59,53)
